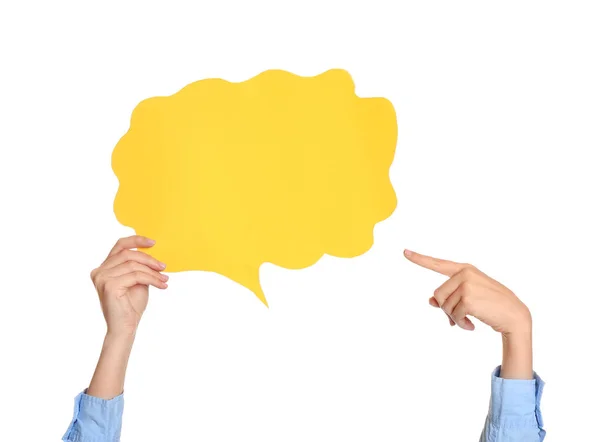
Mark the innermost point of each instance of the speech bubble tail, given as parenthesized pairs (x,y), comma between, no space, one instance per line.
(248,276)
(257,289)
(260,295)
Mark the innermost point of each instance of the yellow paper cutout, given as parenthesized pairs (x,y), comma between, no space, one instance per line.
(279,168)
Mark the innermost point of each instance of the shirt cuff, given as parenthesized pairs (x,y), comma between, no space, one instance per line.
(95,419)
(515,403)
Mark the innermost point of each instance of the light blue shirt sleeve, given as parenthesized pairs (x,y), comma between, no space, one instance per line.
(514,414)
(95,419)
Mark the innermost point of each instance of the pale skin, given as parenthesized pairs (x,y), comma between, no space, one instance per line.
(123,280)
(470,292)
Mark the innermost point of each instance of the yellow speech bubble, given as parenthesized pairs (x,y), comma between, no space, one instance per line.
(279,168)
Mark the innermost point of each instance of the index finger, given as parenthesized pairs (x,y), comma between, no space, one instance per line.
(448,268)
(131,242)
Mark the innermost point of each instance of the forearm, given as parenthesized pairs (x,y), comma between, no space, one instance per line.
(109,378)
(99,410)
(517,356)
(517,349)
(514,412)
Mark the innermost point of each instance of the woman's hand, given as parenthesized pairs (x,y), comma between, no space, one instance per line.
(471,292)
(122,283)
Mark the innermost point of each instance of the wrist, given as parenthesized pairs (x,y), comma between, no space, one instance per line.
(119,338)
(517,343)
(517,337)
(122,333)
(521,326)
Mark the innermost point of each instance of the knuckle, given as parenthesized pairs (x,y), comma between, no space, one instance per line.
(468,271)
(467,303)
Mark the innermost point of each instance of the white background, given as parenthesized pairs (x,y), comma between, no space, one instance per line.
(497,164)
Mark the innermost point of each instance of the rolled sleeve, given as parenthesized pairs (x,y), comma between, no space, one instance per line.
(95,419)
(514,412)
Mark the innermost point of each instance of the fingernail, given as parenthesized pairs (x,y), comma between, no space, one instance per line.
(162,265)
(150,241)
(407,252)
(166,285)
(164,277)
